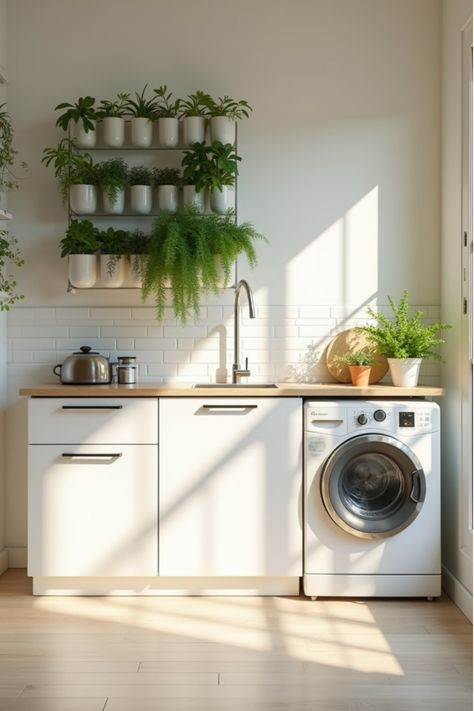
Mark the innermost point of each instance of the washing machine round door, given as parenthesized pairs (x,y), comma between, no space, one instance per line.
(373,486)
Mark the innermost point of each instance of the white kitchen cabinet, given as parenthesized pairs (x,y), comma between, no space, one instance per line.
(93,508)
(230,487)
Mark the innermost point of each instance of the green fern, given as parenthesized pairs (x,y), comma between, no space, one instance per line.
(404,336)
(183,249)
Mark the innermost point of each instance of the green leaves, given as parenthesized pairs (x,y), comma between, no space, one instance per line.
(404,336)
(197,104)
(81,238)
(187,250)
(112,176)
(142,107)
(226,106)
(10,256)
(82,110)
(211,166)
(70,166)
(165,107)
(357,358)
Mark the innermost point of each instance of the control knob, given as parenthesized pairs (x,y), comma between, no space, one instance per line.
(362,419)
(380,415)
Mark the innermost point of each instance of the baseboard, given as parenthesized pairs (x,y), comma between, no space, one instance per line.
(458,593)
(4,560)
(17,557)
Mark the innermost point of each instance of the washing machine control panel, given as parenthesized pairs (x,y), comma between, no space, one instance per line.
(375,417)
(391,419)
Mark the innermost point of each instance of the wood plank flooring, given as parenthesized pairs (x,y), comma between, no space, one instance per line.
(230,653)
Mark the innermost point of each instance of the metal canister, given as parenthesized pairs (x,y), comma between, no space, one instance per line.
(126,370)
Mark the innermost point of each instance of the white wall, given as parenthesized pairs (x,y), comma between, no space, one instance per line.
(3,318)
(456,558)
(340,170)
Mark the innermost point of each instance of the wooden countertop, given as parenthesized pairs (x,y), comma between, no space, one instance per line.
(150,389)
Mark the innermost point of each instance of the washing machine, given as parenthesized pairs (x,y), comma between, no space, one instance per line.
(372,498)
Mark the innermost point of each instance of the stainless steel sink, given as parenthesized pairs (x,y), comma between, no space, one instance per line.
(235,385)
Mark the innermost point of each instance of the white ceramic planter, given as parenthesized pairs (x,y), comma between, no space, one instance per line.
(168,132)
(222,129)
(82,270)
(82,138)
(194,130)
(404,371)
(135,270)
(141,132)
(112,277)
(83,199)
(113,208)
(191,197)
(141,199)
(223,200)
(113,131)
(168,197)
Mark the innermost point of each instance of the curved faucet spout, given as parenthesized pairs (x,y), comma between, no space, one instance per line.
(237,371)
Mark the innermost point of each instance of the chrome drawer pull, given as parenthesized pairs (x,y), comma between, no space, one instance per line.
(92,407)
(110,455)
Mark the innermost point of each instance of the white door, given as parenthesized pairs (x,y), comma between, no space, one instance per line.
(230,487)
(92,510)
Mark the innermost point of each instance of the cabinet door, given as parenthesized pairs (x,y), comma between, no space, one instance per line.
(92,510)
(230,487)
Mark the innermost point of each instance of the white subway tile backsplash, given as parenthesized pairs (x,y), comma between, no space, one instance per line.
(283,342)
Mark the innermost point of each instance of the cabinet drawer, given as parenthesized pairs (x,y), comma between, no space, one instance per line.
(93,420)
(92,510)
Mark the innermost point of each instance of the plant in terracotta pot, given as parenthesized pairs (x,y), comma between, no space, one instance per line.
(404,340)
(10,256)
(224,113)
(76,175)
(112,177)
(359,364)
(80,245)
(189,251)
(82,114)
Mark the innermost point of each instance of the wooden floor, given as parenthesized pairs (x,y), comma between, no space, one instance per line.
(230,653)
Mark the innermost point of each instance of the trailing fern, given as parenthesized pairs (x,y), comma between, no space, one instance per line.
(184,246)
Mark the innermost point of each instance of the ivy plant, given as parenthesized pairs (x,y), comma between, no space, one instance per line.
(8,180)
(10,256)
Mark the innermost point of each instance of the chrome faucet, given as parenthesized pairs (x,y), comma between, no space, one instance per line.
(237,371)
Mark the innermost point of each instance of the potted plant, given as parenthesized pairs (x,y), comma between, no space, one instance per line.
(143,112)
(140,181)
(224,113)
(10,256)
(80,246)
(167,180)
(167,112)
(193,111)
(191,164)
(137,250)
(113,123)
(113,246)
(359,364)
(215,168)
(187,250)
(76,174)
(404,340)
(83,116)
(112,176)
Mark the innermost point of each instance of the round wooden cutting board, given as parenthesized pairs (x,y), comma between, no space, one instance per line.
(348,342)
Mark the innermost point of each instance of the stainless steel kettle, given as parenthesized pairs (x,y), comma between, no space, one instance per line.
(84,367)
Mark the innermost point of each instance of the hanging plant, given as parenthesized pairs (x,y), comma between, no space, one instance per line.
(10,256)
(187,250)
(8,180)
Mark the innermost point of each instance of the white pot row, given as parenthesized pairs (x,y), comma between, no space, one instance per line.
(222,129)
(83,199)
(88,270)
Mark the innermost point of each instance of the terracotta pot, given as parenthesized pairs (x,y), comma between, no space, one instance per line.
(360,375)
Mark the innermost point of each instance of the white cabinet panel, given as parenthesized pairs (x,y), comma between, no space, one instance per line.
(95,514)
(230,486)
(93,420)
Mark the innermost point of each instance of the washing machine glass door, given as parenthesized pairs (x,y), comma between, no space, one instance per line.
(373,486)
